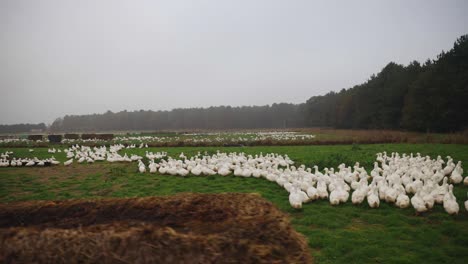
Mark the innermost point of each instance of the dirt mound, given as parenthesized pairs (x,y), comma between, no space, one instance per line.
(185,228)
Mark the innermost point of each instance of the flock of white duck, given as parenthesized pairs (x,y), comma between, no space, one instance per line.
(80,154)
(7,161)
(404,180)
(220,137)
(89,155)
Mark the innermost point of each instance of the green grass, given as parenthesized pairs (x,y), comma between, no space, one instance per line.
(341,234)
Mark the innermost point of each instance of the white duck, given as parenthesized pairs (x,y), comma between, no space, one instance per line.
(450,202)
(312,193)
(335,197)
(295,199)
(195,171)
(68,162)
(402,201)
(152,167)
(182,172)
(162,169)
(358,196)
(224,171)
(418,203)
(391,195)
(456,177)
(322,190)
(450,166)
(141,167)
(372,198)
(466,203)
(439,191)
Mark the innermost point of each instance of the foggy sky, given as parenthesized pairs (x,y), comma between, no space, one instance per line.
(78,57)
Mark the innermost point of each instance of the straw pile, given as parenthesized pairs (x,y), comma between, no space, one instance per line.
(185,228)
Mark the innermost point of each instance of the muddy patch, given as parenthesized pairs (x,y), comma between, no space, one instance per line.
(75,171)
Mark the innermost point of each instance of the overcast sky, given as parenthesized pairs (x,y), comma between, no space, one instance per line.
(78,57)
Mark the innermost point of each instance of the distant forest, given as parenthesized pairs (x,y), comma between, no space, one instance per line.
(432,97)
(221,117)
(18,128)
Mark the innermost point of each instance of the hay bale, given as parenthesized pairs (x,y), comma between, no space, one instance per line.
(88,136)
(105,136)
(72,136)
(55,138)
(35,137)
(185,228)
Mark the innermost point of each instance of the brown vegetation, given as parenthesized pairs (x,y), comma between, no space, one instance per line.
(185,228)
(326,136)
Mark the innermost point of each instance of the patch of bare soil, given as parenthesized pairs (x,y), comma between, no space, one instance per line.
(77,171)
(184,228)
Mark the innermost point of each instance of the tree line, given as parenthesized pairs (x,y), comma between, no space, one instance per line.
(419,97)
(20,128)
(431,97)
(221,117)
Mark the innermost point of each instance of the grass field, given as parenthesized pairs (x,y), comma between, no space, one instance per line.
(341,234)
